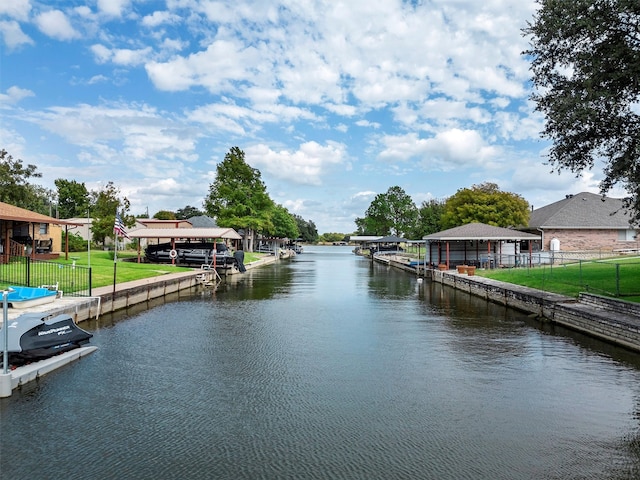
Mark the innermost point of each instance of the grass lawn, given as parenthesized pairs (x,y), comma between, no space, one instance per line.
(617,277)
(102,267)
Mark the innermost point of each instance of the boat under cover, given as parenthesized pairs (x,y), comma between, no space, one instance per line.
(35,336)
(196,253)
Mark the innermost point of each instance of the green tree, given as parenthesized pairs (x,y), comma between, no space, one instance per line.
(15,188)
(429,218)
(105,203)
(188,212)
(238,198)
(485,203)
(330,237)
(307,229)
(586,65)
(41,200)
(73,198)
(165,215)
(284,225)
(392,212)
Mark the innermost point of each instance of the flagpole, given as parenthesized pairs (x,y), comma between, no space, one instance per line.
(115,260)
(88,239)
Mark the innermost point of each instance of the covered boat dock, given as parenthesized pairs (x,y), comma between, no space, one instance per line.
(480,245)
(171,238)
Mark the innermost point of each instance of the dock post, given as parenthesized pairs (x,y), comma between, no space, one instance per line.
(5,385)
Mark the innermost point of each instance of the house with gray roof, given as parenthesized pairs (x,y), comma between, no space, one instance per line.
(583,222)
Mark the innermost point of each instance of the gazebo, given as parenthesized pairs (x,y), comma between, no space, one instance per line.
(480,245)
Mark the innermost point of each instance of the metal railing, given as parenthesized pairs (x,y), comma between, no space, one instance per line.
(73,280)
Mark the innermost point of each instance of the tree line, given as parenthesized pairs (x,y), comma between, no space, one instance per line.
(395,213)
(237,199)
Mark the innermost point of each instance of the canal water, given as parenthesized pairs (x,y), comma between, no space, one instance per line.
(329,367)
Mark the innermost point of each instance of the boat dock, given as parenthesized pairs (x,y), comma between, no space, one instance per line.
(104,300)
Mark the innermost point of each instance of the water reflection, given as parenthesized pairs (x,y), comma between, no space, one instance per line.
(329,367)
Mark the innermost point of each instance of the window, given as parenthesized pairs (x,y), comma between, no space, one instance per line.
(627,235)
(44,228)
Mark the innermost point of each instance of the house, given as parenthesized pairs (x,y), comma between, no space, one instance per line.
(585,221)
(26,233)
(81,226)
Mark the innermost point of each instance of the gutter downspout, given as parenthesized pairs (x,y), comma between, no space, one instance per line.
(541,238)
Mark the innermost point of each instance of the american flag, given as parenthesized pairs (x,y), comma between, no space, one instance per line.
(118,227)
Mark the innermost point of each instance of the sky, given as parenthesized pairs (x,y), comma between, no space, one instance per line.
(333,101)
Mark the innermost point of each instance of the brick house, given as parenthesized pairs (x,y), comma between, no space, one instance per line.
(585,221)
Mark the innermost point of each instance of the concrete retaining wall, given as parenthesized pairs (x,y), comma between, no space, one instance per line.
(129,294)
(609,319)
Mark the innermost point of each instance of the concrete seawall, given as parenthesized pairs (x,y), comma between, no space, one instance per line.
(615,321)
(106,299)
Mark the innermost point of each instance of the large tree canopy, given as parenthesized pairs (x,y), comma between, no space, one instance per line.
(237,197)
(188,212)
(586,65)
(284,224)
(429,218)
(15,188)
(307,229)
(104,205)
(392,212)
(485,203)
(73,198)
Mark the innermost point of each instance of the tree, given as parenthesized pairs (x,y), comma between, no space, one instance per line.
(586,64)
(392,212)
(188,212)
(485,203)
(73,198)
(330,237)
(429,218)
(284,225)
(15,188)
(165,215)
(238,198)
(105,203)
(307,229)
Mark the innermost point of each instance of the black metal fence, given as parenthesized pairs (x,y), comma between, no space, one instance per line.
(73,280)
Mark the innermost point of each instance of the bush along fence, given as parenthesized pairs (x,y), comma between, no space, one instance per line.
(73,280)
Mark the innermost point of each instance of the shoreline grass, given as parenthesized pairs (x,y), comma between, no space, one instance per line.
(614,277)
(127,267)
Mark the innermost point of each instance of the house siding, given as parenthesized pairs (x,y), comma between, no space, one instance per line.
(585,239)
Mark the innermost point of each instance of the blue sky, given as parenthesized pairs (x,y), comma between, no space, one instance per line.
(333,101)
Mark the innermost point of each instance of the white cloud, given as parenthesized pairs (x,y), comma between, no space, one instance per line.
(304,166)
(121,56)
(158,18)
(55,24)
(14,95)
(13,36)
(308,89)
(216,69)
(113,8)
(17,9)
(97,79)
(445,151)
